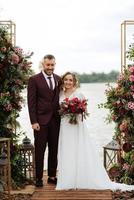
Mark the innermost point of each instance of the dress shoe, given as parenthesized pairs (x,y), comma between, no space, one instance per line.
(39,183)
(52,181)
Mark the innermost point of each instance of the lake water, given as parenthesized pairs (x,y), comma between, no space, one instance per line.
(100,131)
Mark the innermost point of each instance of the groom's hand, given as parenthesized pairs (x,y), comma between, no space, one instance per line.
(36,126)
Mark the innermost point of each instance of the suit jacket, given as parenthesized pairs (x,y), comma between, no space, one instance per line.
(42,102)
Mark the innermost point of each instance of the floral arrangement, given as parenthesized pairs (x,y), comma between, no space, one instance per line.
(72,108)
(120,102)
(15,69)
(14,74)
(123,171)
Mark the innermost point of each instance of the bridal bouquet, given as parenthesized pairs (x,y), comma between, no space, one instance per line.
(72,108)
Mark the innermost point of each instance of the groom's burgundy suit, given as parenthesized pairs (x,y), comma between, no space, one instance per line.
(43,105)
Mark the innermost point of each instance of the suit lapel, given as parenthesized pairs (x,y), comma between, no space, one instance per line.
(56,85)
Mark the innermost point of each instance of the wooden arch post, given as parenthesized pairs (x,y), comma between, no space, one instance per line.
(5,163)
(124,26)
(11,30)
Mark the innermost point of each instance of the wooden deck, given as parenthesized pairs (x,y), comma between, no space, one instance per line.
(48,192)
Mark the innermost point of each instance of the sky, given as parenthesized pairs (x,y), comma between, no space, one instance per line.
(83,35)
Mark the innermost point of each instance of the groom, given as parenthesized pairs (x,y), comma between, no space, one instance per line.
(43,105)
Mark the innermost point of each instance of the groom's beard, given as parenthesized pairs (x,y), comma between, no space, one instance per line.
(49,72)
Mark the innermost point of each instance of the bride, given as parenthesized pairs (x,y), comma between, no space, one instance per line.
(79,165)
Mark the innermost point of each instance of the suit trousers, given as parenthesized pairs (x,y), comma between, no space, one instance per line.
(48,135)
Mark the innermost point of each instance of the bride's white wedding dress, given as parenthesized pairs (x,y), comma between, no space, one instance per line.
(79,165)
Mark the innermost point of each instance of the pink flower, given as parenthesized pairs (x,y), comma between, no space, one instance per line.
(15,58)
(18,50)
(132,87)
(130,105)
(118,102)
(66,99)
(121,77)
(131,69)
(131,78)
(18,82)
(8,107)
(126,166)
(123,126)
(118,87)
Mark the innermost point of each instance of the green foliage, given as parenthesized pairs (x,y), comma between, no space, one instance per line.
(130,53)
(17,166)
(15,69)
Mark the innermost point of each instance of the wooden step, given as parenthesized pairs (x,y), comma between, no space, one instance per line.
(48,192)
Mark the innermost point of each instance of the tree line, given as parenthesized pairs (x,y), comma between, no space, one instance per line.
(98,77)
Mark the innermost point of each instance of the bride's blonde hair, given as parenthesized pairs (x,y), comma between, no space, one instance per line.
(75,79)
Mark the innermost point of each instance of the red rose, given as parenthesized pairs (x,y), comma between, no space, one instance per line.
(114,171)
(114,117)
(1,66)
(127,147)
(3,49)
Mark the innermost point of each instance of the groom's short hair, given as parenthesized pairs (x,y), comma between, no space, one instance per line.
(49,56)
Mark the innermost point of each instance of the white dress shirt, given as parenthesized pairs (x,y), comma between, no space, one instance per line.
(52,79)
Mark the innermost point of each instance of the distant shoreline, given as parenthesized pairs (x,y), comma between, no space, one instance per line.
(102,77)
(98,82)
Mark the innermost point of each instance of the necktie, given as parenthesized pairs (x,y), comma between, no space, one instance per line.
(50,83)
